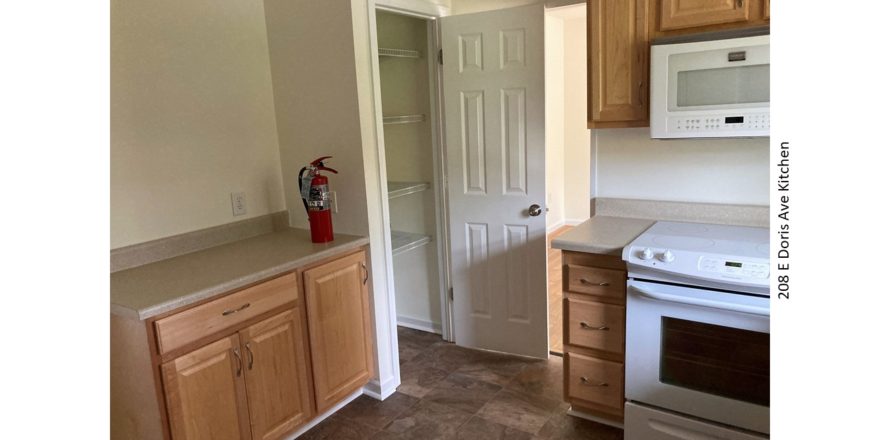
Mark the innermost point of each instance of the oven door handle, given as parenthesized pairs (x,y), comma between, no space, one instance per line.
(753,310)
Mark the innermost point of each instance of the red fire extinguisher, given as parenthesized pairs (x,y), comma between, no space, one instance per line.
(315,193)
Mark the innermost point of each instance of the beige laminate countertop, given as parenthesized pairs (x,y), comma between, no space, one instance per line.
(152,289)
(602,235)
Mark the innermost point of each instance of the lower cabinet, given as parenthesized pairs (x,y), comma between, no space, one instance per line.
(594,336)
(261,362)
(339,328)
(251,385)
(276,378)
(205,395)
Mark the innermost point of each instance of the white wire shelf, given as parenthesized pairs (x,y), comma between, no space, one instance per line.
(403,119)
(405,241)
(400,189)
(399,53)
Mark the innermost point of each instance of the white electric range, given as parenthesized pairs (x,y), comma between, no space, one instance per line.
(698,332)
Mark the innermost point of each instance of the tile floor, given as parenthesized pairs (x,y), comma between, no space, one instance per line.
(450,392)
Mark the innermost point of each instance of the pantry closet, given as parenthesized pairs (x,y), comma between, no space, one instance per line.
(407,78)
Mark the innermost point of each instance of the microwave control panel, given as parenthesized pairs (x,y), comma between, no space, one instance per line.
(753,124)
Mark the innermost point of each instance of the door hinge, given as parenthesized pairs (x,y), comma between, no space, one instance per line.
(440,56)
(451,295)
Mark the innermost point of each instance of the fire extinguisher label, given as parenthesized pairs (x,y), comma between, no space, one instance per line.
(319,198)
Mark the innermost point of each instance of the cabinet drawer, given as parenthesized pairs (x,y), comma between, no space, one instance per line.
(595,325)
(595,380)
(190,325)
(607,283)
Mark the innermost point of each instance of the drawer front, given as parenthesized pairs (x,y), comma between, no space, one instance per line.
(595,325)
(607,283)
(595,380)
(190,325)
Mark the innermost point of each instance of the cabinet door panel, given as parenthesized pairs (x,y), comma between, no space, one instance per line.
(617,61)
(679,14)
(340,336)
(205,393)
(276,376)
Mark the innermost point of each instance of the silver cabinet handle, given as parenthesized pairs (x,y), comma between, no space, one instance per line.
(250,356)
(237,354)
(739,3)
(586,326)
(586,281)
(366,273)
(231,311)
(586,381)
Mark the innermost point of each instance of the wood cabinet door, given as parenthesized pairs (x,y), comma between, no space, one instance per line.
(680,14)
(205,393)
(340,335)
(617,61)
(276,376)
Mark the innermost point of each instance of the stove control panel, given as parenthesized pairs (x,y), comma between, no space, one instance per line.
(734,269)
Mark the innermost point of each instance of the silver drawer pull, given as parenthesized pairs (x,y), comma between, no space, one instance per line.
(238,359)
(586,326)
(231,311)
(586,381)
(586,281)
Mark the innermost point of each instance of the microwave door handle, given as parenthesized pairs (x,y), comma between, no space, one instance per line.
(752,310)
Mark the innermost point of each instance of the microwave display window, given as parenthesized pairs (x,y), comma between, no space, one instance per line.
(723,361)
(723,86)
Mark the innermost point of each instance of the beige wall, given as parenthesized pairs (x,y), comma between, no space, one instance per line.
(577,135)
(554,117)
(629,164)
(316,101)
(192,117)
(471,6)
(568,138)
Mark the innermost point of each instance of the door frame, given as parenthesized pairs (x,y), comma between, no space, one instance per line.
(430,13)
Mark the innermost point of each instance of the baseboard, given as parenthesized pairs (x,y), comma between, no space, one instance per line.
(381,391)
(592,418)
(555,226)
(574,221)
(312,423)
(419,324)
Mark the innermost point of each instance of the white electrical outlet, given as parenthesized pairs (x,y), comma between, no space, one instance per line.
(239,204)
(333,203)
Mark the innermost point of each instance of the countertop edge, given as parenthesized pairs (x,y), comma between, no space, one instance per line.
(602,235)
(572,246)
(183,301)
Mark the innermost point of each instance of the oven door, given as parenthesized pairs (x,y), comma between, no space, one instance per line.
(700,352)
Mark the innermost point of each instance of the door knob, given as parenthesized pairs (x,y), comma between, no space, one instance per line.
(534,210)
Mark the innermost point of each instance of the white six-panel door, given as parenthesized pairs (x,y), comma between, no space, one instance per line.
(493,80)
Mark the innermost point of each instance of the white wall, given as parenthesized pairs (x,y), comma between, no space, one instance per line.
(471,6)
(567,135)
(192,117)
(316,102)
(554,117)
(631,165)
(577,135)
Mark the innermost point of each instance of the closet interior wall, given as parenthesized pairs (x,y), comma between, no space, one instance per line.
(409,154)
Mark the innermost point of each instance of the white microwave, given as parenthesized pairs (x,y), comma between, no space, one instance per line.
(716,86)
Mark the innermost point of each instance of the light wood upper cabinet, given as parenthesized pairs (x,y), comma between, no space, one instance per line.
(679,14)
(617,63)
(276,375)
(205,393)
(340,336)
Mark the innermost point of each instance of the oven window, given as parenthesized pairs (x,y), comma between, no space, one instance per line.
(724,86)
(718,360)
